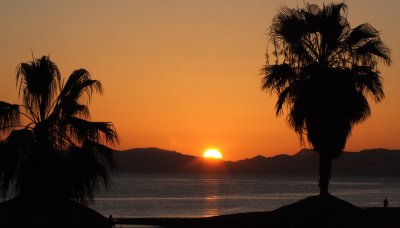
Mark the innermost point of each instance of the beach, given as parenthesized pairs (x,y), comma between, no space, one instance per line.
(290,216)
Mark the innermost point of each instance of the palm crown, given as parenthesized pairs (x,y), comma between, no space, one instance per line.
(323,72)
(52,149)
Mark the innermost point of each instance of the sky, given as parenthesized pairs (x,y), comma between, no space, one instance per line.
(184,75)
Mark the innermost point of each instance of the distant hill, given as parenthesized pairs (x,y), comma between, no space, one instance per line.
(158,160)
(378,162)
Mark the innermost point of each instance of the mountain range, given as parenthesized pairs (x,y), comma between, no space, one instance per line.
(371,162)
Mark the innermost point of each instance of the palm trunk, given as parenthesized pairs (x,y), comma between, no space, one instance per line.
(324,173)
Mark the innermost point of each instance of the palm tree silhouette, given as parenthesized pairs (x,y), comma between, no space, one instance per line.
(53,151)
(323,72)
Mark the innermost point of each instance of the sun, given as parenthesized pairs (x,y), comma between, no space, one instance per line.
(212,153)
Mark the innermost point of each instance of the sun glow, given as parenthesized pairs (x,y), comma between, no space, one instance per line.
(212,153)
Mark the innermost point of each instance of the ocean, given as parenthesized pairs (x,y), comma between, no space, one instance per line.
(195,195)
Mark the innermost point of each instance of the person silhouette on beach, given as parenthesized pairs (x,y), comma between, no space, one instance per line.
(385,203)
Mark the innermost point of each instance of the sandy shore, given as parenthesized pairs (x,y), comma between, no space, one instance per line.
(373,217)
(310,212)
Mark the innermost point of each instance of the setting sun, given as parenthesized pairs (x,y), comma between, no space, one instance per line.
(212,153)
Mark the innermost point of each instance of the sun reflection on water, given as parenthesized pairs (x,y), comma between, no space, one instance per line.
(211,187)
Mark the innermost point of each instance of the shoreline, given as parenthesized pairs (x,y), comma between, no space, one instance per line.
(367,217)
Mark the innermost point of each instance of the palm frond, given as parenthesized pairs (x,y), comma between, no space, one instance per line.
(284,97)
(88,167)
(277,77)
(80,86)
(297,120)
(288,25)
(13,151)
(368,81)
(287,31)
(333,25)
(39,81)
(8,167)
(70,107)
(374,48)
(77,110)
(104,154)
(82,130)
(9,116)
(360,34)
(75,94)
(359,109)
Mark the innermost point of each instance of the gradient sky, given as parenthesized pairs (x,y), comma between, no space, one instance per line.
(184,75)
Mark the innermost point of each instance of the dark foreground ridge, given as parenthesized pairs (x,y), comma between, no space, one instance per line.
(372,162)
(314,211)
(21,212)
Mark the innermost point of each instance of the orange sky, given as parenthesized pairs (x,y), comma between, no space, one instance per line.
(184,75)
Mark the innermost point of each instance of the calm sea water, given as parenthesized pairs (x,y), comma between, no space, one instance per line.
(183,195)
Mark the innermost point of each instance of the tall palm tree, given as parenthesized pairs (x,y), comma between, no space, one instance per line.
(52,150)
(324,70)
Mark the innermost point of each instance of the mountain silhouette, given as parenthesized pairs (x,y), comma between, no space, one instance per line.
(157,160)
(370,162)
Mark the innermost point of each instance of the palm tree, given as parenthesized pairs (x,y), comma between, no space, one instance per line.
(323,72)
(52,150)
